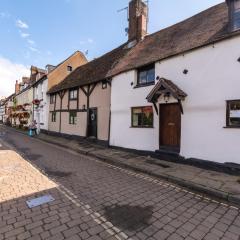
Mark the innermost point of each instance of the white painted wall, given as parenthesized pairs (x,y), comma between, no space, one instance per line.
(213,78)
(40,93)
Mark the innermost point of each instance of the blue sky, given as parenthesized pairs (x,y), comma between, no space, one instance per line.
(48,31)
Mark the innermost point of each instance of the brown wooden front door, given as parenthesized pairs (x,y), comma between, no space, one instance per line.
(170,125)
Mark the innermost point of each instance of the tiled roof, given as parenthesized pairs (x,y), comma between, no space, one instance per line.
(93,71)
(166,86)
(202,29)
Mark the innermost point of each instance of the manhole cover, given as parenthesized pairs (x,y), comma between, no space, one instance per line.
(129,217)
(39,201)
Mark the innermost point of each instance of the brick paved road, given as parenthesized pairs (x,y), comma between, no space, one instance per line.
(98,201)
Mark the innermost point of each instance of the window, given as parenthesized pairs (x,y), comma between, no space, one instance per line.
(142,117)
(73,94)
(69,68)
(52,99)
(54,117)
(73,118)
(233,113)
(146,76)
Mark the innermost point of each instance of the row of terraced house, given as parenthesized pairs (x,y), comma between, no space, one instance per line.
(175,91)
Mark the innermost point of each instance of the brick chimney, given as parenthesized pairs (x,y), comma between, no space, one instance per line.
(138,17)
(17,87)
(234,14)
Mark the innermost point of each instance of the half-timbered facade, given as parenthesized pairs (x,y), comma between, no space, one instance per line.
(80,105)
(54,75)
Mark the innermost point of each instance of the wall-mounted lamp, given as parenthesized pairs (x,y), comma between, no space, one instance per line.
(84,107)
(185,71)
(166,97)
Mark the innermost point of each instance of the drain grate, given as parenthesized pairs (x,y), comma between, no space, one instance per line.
(39,201)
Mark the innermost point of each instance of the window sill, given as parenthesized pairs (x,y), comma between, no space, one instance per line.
(232,127)
(142,127)
(144,85)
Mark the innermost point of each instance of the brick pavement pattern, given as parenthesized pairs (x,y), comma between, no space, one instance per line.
(98,201)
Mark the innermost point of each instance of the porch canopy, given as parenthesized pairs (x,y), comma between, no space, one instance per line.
(166,88)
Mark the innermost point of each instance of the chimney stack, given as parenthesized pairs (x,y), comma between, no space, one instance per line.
(138,18)
(17,87)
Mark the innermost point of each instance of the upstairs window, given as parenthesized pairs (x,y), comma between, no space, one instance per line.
(146,75)
(73,118)
(233,113)
(142,117)
(73,94)
(69,68)
(52,99)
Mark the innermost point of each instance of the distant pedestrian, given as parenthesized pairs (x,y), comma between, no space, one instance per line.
(33,128)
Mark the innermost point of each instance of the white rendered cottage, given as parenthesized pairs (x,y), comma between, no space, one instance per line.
(40,111)
(178,90)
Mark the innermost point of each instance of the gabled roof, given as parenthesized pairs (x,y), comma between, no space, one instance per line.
(65,60)
(41,79)
(200,30)
(93,71)
(166,86)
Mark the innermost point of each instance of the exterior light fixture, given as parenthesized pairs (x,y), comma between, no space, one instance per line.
(166,97)
(84,107)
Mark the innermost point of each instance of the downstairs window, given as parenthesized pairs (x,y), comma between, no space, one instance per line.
(73,118)
(142,117)
(233,113)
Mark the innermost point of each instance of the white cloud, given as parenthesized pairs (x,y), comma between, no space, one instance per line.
(24,35)
(9,73)
(31,42)
(90,40)
(34,49)
(21,24)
